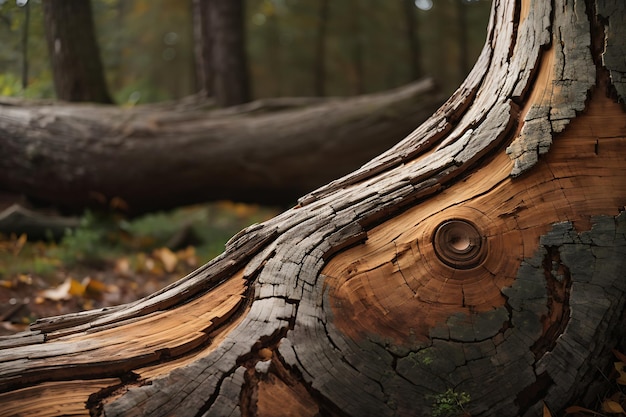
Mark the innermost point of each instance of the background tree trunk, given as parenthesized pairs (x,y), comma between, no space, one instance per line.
(320,49)
(480,262)
(464,62)
(25,46)
(412,39)
(202,46)
(159,157)
(74,52)
(356,48)
(231,83)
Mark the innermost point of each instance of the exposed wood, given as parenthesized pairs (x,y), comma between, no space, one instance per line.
(354,305)
(158,157)
(65,398)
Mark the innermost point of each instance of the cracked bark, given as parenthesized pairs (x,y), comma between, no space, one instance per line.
(342,305)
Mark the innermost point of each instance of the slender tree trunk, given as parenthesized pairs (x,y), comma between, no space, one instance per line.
(274,54)
(356,47)
(231,83)
(202,46)
(415,53)
(464,63)
(74,53)
(25,45)
(320,48)
(478,265)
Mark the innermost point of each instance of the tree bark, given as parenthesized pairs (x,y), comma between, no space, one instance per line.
(158,157)
(202,47)
(26,30)
(356,47)
(74,53)
(320,49)
(231,83)
(463,33)
(479,261)
(412,39)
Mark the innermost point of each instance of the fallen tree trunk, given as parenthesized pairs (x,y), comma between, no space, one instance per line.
(477,267)
(159,157)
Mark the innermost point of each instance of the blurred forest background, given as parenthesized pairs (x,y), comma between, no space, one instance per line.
(147,47)
(148,52)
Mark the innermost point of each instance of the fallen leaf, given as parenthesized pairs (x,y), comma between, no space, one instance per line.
(619,355)
(167,258)
(122,266)
(93,287)
(65,291)
(19,244)
(188,255)
(117,203)
(621,369)
(610,406)
(76,288)
(578,409)
(546,411)
(25,279)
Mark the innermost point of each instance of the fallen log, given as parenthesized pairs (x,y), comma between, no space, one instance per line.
(158,157)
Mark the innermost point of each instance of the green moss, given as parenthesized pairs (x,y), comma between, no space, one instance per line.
(450,404)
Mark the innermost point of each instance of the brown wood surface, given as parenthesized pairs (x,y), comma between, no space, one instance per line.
(345,306)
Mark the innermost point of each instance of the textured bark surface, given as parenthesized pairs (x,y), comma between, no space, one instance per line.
(468,260)
(229,67)
(74,53)
(202,47)
(157,157)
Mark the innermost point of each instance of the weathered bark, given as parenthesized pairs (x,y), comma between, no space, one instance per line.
(457,262)
(74,53)
(157,157)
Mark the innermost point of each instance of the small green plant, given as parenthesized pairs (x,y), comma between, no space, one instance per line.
(88,243)
(450,404)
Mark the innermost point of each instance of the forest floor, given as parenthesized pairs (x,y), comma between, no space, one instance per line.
(108,260)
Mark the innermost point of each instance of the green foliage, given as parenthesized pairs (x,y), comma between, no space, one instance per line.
(33,259)
(12,26)
(10,85)
(90,243)
(450,404)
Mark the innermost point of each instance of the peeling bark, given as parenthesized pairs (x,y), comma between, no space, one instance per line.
(438,268)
